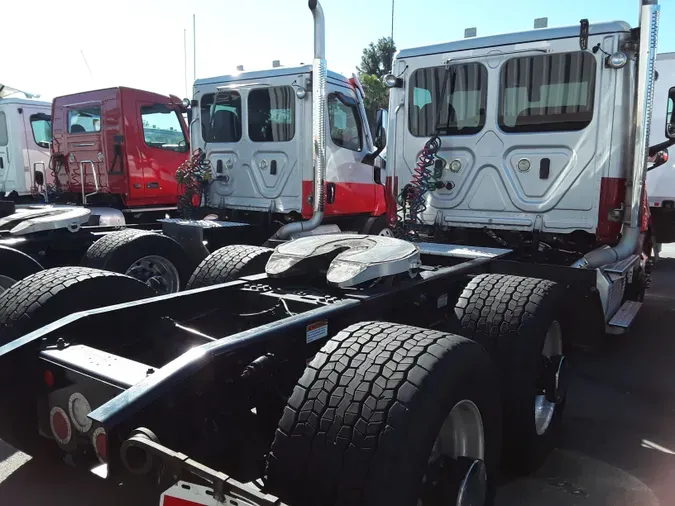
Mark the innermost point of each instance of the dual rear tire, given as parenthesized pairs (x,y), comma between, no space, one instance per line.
(388,414)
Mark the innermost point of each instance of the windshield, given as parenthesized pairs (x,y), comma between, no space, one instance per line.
(41,125)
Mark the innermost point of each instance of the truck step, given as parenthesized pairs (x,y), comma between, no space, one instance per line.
(625,315)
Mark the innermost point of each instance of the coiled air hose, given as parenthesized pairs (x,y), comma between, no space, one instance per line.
(413,199)
(192,175)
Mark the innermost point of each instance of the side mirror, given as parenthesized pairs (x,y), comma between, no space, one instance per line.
(670,115)
(380,137)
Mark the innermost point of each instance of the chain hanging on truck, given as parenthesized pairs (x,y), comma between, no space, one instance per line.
(193,176)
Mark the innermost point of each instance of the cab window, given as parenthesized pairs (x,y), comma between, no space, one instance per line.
(271,114)
(448,101)
(162,128)
(41,125)
(221,117)
(344,121)
(84,120)
(4,138)
(670,126)
(547,92)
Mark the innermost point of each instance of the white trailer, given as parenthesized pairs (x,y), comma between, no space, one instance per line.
(25,138)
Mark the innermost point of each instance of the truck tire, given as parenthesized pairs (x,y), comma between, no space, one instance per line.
(377,225)
(519,321)
(51,294)
(229,263)
(155,259)
(363,422)
(14,266)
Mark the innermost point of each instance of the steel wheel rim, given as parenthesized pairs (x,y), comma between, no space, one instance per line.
(5,282)
(386,232)
(544,409)
(462,436)
(157,272)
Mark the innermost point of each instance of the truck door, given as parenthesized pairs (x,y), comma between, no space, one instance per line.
(350,185)
(4,151)
(162,149)
(38,127)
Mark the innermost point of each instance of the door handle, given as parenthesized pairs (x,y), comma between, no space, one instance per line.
(330,193)
(2,163)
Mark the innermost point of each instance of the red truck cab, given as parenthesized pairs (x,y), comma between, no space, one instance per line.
(118,147)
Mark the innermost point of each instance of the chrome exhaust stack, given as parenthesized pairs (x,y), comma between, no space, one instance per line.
(319,114)
(642,117)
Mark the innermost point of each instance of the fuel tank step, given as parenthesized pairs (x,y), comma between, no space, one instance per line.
(624,316)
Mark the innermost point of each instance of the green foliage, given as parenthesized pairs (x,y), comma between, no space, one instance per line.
(376,63)
(377,57)
(377,96)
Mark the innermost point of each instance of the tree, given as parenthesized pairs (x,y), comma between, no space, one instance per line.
(377,57)
(377,96)
(375,64)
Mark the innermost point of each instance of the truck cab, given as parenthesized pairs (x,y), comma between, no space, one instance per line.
(118,147)
(256,130)
(535,130)
(661,180)
(25,137)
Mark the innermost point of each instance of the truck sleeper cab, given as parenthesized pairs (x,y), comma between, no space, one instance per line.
(25,137)
(118,147)
(255,128)
(538,148)
(525,127)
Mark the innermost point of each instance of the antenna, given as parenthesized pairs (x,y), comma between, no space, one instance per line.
(194,46)
(91,75)
(185,55)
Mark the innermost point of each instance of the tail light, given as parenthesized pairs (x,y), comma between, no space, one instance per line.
(48,378)
(79,408)
(99,440)
(62,430)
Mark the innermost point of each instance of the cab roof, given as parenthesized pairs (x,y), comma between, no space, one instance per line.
(540,34)
(266,73)
(26,102)
(74,98)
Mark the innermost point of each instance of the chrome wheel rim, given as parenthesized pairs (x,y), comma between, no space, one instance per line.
(157,272)
(544,404)
(6,282)
(460,449)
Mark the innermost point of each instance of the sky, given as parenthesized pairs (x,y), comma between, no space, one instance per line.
(60,47)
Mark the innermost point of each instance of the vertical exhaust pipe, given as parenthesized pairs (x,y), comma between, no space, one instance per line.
(642,118)
(319,113)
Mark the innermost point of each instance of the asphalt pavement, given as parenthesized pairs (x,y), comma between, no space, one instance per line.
(617,449)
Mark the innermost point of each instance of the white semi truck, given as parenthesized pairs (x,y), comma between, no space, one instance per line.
(25,138)
(661,180)
(366,369)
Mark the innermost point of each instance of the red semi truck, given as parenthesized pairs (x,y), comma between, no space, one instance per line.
(118,148)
